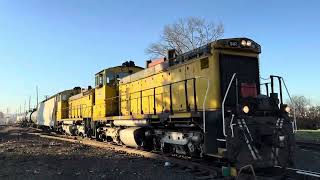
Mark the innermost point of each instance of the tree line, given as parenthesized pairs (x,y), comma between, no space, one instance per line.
(307,114)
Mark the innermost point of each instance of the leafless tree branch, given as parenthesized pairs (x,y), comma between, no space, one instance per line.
(184,35)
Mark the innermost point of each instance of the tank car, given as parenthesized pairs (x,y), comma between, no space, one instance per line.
(30,117)
(33,117)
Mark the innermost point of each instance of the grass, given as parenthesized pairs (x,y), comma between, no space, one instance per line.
(308,135)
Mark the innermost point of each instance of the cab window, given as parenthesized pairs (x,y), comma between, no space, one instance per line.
(122,74)
(99,80)
(110,78)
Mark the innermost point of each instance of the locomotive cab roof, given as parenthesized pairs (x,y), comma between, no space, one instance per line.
(109,75)
(117,69)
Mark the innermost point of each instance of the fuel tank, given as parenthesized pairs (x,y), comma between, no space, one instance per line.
(132,137)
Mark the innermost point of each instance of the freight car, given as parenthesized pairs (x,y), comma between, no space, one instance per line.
(47,112)
(206,102)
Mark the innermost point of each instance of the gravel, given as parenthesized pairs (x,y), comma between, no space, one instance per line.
(24,156)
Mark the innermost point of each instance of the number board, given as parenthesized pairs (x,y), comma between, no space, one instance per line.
(233,43)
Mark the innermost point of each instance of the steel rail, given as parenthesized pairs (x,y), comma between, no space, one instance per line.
(210,171)
(190,166)
(302,172)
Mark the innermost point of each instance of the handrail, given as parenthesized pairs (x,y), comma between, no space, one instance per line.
(153,88)
(167,84)
(122,97)
(204,101)
(231,126)
(204,105)
(295,128)
(224,99)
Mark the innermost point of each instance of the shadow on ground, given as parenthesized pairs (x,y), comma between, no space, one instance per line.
(24,156)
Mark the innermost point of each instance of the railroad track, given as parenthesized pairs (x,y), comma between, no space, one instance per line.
(309,145)
(302,174)
(201,169)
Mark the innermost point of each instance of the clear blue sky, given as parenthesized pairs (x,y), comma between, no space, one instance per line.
(61,44)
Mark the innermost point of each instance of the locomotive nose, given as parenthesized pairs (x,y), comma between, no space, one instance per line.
(261,141)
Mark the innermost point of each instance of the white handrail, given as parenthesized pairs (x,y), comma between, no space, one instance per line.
(204,102)
(224,99)
(295,128)
(231,126)
(204,105)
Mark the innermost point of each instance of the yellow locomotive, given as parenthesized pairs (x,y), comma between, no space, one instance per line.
(88,106)
(206,102)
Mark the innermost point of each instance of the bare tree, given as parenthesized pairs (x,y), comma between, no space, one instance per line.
(184,35)
(308,115)
(314,112)
(301,105)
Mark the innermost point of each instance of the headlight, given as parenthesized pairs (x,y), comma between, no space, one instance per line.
(248,43)
(245,109)
(287,109)
(243,43)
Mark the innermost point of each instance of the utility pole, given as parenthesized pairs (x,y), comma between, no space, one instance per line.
(25,104)
(7,116)
(37,96)
(29,103)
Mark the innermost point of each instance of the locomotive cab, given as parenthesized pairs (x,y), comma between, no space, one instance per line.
(107,89)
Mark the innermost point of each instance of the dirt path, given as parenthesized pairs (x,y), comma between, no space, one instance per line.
(24,156)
